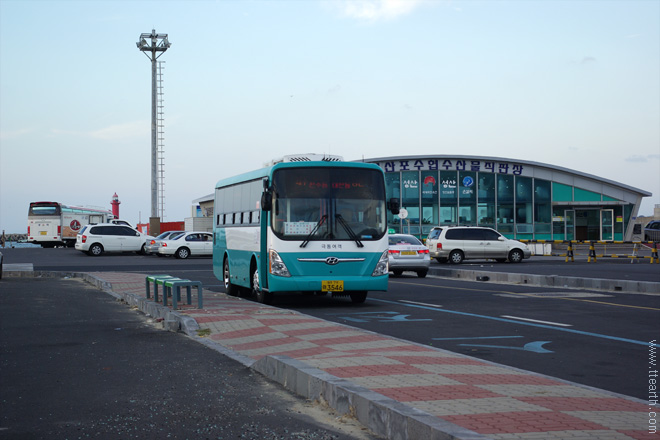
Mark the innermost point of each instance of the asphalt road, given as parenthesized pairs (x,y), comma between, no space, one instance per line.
(593,338)
(75,363)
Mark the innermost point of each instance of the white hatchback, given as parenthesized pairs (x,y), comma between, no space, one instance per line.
(108,237)
(187,244)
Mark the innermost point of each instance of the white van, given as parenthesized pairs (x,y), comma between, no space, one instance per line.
(108,237)
(458,243)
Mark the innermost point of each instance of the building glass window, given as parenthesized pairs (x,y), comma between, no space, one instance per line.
(542,210)
(467,194)
(524,208)
(558,224)
(561,192)
(505,207)
(619,223)
(582,195)
(448,197)
(410,189)
(430,206)
(627,215)
(486,200)
(393,191)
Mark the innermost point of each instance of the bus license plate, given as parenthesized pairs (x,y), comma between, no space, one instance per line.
(332,286)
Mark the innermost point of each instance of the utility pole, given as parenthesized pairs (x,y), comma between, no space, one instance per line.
(153,45)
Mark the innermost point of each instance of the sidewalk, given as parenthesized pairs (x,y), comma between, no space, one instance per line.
(398,389)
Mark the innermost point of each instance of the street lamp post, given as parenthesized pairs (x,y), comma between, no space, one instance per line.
(153,45)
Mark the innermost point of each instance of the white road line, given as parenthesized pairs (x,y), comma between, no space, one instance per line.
(420,304)
(536,320)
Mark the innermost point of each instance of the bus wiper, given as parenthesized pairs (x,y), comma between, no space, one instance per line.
(348,230)
(316,228)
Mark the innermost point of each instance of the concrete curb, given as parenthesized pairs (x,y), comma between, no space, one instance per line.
(556,281)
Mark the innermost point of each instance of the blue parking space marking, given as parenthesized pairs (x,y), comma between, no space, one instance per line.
(511,321)
(535,347)
(377,317)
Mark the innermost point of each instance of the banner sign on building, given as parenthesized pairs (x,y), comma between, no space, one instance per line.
(483,166)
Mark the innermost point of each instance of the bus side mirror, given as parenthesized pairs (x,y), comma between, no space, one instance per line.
(266,200)
(393,206)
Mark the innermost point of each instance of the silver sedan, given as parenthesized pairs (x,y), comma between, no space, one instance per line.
(406,252)
(151,246)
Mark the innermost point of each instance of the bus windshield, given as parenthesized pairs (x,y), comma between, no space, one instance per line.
(328,204)
(44,208)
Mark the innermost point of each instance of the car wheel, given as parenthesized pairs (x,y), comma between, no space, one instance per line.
(229,287)
(397,273)
(142,250)
(422,273)
(258,294)
(358,297)
(456,257)
(182,252)
(516,256)
(95,250)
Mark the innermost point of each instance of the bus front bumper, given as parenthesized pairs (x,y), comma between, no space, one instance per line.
(314,284)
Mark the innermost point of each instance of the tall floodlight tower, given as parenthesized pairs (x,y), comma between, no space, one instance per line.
(153,45)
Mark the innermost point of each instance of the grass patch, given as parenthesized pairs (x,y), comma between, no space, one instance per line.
(203,332)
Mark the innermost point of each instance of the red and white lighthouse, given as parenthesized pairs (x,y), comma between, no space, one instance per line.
(115,205)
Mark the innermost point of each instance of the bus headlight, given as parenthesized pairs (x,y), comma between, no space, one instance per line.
(382,268)
(276,266)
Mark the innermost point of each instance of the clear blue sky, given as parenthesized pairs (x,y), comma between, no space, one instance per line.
(569,83)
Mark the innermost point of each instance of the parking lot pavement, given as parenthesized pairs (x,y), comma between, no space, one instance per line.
(397,389)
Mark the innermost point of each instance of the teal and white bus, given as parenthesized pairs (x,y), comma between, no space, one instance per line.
(308,224)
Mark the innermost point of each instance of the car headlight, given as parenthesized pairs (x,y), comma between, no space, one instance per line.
(276,266)
(382,268)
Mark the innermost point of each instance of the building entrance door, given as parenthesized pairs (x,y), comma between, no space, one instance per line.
(607,224)
(587,224)
(569,224)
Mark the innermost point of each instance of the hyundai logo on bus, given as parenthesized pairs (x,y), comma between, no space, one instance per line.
(331,260)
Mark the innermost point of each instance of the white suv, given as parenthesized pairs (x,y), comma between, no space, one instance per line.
(108,237)
(458,243)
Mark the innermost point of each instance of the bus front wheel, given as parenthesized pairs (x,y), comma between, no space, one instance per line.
(359,297)
(259,295)
(229,287)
